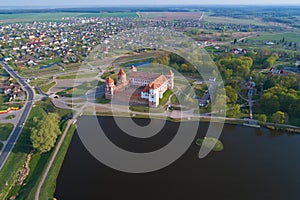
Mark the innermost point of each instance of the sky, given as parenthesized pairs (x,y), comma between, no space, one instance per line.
(17,3)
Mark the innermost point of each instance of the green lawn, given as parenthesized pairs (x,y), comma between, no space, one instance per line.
(165,98)
(3,99)
(18,156)
(48,189)
(146,109)
(39,81)
(46,87)
(5,131)
(58,16)
(208,142)
(289,37)
(102,100)
(1,145)
(74,76)
(79,90)
(229,20)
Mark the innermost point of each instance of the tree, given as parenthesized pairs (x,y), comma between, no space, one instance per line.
(233,111)
(231,94)
(262,118)
(44,133)
(234,41)
(269,102)
(278,117)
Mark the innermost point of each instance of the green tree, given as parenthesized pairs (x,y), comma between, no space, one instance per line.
(44,133)
(262,118)
(233,111)
(269,102)
(231,94)
(278,117)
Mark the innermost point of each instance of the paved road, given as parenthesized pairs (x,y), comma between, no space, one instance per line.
(18,128)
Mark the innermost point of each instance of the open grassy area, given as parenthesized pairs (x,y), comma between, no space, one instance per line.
(49,186)
(79,90)
(3,99)
(58,16)
(10,117)
(5,131)
(288,36)
(208,142)
(102,100)
(18,156)
(165,98)
(146,109)
(110,74)
(74,76)
(229,20)
(46,87)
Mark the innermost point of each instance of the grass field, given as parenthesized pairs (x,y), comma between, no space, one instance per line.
(45,88)
(228,20)
(288,36)
(48,189)
(17,158)
(5,131)
(3,99)
(74,76)
(57,16)
(79,90)
(102,100)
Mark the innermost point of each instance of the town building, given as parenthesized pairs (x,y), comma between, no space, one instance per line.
(151,86)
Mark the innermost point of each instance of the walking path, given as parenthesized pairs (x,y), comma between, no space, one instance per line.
(57,148)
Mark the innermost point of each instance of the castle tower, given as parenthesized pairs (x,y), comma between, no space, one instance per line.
(109,88)
(170,78)
(121,77)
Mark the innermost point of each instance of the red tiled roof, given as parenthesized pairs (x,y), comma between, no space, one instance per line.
(121,72)
(156,83)
(109,80)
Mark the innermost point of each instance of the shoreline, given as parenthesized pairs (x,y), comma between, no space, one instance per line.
(271,126)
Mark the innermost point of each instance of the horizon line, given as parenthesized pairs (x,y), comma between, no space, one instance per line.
(139,5)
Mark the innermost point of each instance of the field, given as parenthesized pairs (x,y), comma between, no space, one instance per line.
(157,16)
(45,88)
(17,158)
(74,76)
(5,131)
(79,90)
(229,20)
(57,16)
(288,36)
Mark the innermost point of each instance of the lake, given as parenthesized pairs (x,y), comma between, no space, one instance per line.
(255,164)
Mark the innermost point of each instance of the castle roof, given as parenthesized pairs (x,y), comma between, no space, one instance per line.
(109,80)
(159,81)
(121,72)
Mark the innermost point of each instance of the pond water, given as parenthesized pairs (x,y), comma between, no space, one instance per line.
(140,64)
(255,164)
(49,65)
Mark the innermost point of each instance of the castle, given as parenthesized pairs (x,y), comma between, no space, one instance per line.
(152,86)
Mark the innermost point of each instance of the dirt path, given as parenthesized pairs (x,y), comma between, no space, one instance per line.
(57,148)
